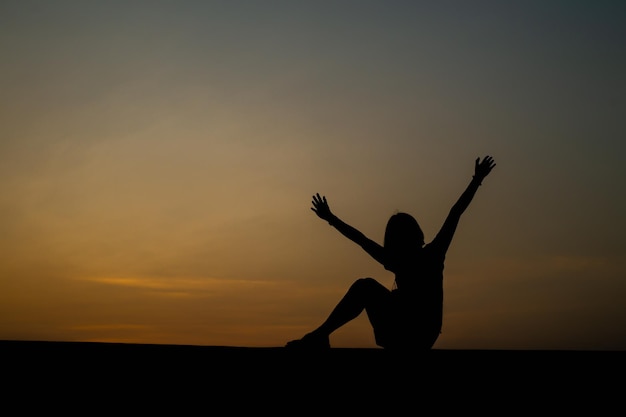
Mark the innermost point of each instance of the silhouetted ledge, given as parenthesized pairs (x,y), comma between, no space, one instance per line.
(49,349)
(53,348)
(73,355)
(272,378)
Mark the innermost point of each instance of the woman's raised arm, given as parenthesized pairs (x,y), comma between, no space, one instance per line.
(322,209)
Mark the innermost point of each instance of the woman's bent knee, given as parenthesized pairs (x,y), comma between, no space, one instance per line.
(366,284)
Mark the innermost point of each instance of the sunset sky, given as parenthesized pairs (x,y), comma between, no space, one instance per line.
(158,158)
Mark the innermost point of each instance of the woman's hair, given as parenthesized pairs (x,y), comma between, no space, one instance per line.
(403,233)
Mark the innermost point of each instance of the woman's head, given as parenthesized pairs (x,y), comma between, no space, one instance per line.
(403,233)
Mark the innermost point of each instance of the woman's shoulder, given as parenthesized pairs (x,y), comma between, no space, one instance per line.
(434,249)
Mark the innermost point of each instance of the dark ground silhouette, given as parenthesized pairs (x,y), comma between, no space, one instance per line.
(86,378)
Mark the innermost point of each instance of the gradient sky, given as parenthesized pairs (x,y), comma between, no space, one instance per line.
(158,158)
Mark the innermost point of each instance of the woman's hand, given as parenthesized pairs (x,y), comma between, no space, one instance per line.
(320,207)
(483,168)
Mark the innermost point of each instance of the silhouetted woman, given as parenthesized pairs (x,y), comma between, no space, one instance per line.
(409,315)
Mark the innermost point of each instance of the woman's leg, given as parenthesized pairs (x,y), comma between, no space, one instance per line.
(364,294)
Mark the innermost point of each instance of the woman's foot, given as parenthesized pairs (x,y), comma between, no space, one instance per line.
(310,341)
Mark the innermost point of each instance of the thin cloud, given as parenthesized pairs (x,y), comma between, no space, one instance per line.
(177,284)
(199,288)
(109,327)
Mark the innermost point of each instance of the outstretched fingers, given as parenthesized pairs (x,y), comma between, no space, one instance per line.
(489,162)
(317,200)
(320,206)
(484,167)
